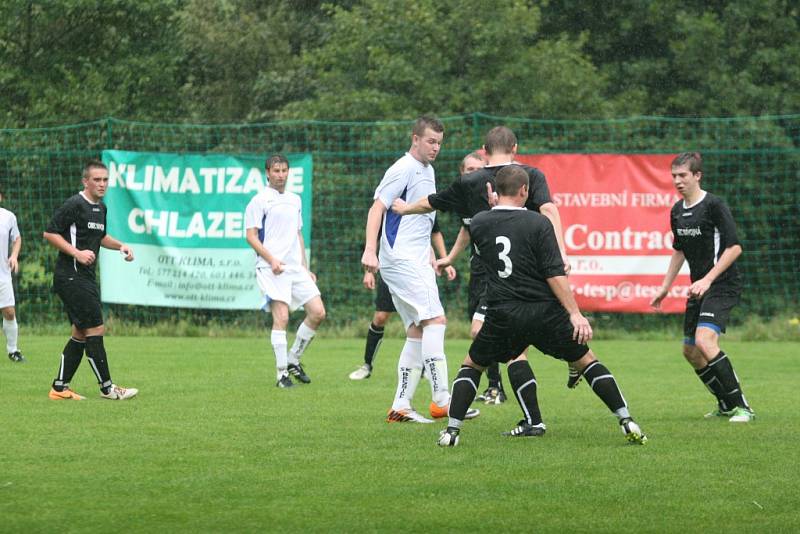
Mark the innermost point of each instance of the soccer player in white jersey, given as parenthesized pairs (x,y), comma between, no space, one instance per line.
(274,224)
(405,263)
(9,238)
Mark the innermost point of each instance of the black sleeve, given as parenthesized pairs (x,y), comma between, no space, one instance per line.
(62,219)
(448,200)
(436,229)
(676,242)
(550,261)
(538,191)
(722,218)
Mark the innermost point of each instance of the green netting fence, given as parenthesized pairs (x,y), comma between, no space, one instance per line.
(753,162)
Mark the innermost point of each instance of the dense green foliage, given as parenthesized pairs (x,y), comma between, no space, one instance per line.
(65,61)
(211,445)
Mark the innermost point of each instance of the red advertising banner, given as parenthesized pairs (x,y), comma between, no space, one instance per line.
(615,215)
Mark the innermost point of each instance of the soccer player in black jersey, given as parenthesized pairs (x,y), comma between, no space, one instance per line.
(529,303)
(705,236)
(384,307)
(78,230)
(468,196)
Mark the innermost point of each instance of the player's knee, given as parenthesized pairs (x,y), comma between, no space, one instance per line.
(583,362)
(381,318)
(706,342)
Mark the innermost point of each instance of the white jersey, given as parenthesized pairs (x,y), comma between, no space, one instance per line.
(278,219)
(406,237)
(9,232)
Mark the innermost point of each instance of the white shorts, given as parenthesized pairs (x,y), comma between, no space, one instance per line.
(293,286)
(6,292)
(414,290)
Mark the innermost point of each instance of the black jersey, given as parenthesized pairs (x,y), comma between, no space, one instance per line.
(83,225)
(703,232)
(519,250)
(467,197)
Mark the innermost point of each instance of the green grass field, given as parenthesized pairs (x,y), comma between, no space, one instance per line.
(211,445)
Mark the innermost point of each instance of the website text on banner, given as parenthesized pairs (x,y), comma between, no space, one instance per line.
(615,213)
(184,216)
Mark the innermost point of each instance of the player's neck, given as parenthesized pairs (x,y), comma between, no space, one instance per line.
(90,198)
(499,159)
(693,197)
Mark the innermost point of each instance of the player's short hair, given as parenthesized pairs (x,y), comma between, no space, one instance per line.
(473,155)
(694,159)
(93,164)
(427,121)
(510,179)
(500,138)
(274,160)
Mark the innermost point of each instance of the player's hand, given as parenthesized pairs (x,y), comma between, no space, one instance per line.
(399,206)
(13,264)
(84,257)
(582,330)
(450,271)
(276,266)
(491,196)
(699,288)
(369,280)
(313,276)
(370,261)
(443,262)
(127,252)
(656,302)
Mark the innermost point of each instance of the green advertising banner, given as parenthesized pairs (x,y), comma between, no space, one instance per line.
(183,214)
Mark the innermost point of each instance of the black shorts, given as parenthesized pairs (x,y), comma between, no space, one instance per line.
(477,296)
(712,310)
(511,327)
(383,298)
(81,298)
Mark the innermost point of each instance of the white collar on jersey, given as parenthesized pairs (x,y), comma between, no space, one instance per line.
(512,162)
(509,208)
(87,199)
(702,198)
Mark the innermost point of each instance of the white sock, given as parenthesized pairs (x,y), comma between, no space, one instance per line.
(409,371)
(435,362)
(301,342)
(11,330)
(278,339)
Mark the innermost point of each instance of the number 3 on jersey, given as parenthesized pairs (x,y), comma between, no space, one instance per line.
(503,256)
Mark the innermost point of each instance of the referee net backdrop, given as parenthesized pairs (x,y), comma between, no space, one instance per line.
(751,162)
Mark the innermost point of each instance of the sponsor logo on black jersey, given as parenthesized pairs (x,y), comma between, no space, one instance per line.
(706,314)
(690,232)
(95,226)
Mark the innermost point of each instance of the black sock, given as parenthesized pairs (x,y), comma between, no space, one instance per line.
(70,360)
(709,378)
(374,338)
(465,387)
(520,375)
(605,386)
(96,353)
(493,373)
(732,392)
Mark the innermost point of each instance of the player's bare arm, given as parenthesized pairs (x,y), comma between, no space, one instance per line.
(114,244)
(462,240)
(729,255)
(13,258)
(400,207)
(675,264)
(550,210)
(582,330)
(253,240)
(84,257)
(370,257)
(303,255)
(437,240)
